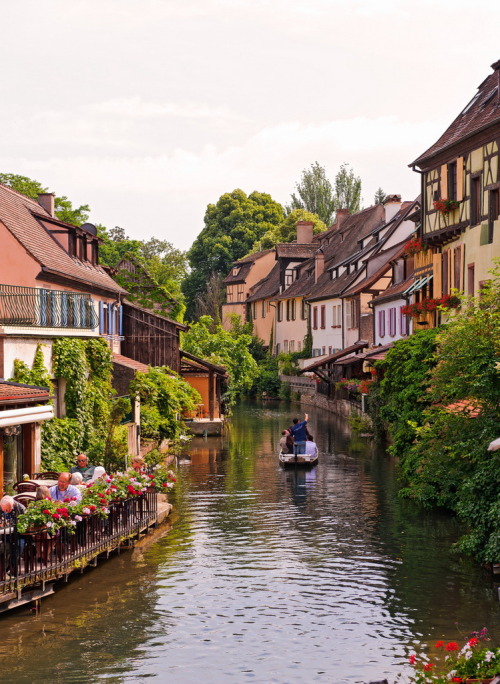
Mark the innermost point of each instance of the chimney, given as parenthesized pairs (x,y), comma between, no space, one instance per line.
(392,205)
(319,264)
(304,232)
(47,201)
(340,217)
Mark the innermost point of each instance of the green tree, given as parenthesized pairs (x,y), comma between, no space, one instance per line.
(227,349)
(287,230)
(347,190)
(315,194)
(64,209)
(232,226)
(115,245)
(379,196)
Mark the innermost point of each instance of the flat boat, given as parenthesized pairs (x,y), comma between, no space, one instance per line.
(297,461)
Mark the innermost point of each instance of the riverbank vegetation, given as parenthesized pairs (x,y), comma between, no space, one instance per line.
(439,397)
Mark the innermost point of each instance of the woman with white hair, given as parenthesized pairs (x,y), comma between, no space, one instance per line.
(99,472)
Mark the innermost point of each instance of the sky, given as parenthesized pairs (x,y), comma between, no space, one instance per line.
(149,110)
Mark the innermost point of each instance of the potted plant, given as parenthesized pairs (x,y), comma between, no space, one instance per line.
(46,515)
(444,206)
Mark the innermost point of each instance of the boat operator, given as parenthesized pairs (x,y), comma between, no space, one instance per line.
(299,432)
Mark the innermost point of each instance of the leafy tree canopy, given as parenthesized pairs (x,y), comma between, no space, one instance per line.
(316,194)
(64,209)
(287,230)
(232,226)
(379,196)
(227,349)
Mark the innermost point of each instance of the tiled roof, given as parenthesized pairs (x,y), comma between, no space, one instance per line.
(24,217)
(267,287)
(252,258)
(13,391)
(469,407)
(152,312)
(483,110)
(130,363)
(369,281)
(240,277)
(393,292)
(334,357)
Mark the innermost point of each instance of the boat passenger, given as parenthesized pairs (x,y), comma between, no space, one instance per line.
(299,432)
(286,442)
(311,448)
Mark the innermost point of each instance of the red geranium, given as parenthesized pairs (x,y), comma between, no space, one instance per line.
(428,666)
(452,646)
(440,644)
(412,659)
(473,642)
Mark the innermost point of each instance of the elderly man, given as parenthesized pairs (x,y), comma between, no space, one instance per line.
(64,490)
(11,508)
(83,467)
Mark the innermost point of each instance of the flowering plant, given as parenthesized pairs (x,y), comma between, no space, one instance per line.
(444,206)
(45,513)
(161,478)
(473,661)
(413,247)
(429,305)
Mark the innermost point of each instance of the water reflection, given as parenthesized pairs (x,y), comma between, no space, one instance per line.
(266,576)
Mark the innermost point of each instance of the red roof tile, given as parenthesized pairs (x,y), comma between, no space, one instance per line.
(130,363)
(10,391)
(24,218)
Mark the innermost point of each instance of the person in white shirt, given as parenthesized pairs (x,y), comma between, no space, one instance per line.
(311,448)
(64,490)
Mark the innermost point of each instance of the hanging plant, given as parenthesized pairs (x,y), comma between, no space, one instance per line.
(413,247)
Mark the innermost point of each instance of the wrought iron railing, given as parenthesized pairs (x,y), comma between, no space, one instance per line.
(31,558)
(40,307)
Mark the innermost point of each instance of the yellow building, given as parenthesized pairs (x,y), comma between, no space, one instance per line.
(460,228)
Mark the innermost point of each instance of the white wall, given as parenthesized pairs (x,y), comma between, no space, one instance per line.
(290,331)
(386,338)
(330,337)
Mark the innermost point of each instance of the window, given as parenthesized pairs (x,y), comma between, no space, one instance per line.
(236,270)
(392,321)
(287,309)
(292,309)
(263,309)
(292,346)
(303,310)
(299,346)
(315,317)
(229,294)
(470,280)
(240,294)
(285,346)
(288,277)
(323,317)
(254,310)
(323,351)
(277,348)
(381,323)
(493,212)
(330,349)
(402,322)
(280,311)
(457,267)
(452,181)
(336,316)
(351,313)
(445,272)
(475,200)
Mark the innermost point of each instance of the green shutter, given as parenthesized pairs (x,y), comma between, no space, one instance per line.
(484,240)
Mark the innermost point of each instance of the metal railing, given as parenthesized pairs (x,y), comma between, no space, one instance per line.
(39,556)
(40,307)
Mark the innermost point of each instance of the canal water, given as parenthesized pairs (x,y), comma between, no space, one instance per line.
(266,576)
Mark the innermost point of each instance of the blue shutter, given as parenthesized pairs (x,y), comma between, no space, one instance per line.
(101,318)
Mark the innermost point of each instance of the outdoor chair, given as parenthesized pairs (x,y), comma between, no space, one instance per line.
(25,498)
(25,486)
(47,475)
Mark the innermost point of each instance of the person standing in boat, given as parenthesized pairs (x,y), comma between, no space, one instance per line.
(299,433)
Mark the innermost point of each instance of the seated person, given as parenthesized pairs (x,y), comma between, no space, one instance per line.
(64,490)
(76,478)
(98,473)
(83,467)
(42,492)
(311,448)
(286,442)
(11,508)
(138,464)
(10,551)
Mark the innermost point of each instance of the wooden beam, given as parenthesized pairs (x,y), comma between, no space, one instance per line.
(211,394)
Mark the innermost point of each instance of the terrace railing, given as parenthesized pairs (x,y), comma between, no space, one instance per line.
(43,308)
(39,556)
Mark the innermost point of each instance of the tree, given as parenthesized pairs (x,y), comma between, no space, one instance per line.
(347,190)
(315,194)
(379,196)
(232,226)
(210,302)
(64,209)
(287,230)
(230,350)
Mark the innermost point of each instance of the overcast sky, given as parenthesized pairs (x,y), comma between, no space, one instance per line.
(148,110)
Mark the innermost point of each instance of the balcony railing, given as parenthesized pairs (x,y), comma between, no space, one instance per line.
(34,557)
(42,308)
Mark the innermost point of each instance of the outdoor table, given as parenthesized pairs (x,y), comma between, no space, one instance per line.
(46,483)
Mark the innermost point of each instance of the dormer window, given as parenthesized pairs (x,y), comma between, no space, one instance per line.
(236,270)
